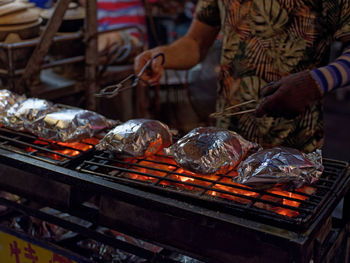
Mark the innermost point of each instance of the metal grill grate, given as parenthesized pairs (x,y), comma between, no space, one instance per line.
(45,150)
(294,209)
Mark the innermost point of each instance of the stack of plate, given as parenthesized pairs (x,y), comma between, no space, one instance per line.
(19,21)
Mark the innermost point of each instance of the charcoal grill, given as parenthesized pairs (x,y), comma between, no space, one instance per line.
(41,149)
(161,175)
(146,199)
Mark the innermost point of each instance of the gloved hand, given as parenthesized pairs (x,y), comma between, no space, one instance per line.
(289,96)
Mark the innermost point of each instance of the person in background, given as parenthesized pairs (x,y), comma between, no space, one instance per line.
(120,45)
(275,52)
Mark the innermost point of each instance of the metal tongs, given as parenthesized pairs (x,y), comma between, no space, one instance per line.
(228,111)
(130,82)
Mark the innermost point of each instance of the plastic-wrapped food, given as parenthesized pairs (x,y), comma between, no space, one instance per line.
(70,125)
(207,150)
(21,115)
(280,165)
(136,138)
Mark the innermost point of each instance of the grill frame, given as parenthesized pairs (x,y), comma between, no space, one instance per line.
(195,230)
(247,211)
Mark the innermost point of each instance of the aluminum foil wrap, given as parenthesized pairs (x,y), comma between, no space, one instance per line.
(137,138)
(8,99)
(280,165)
(22,114)
(70,125)
(207,150)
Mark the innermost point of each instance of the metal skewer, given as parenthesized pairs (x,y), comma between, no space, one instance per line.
(225,113)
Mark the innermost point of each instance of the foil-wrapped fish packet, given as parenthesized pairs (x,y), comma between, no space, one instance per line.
(22,114)
(8,99)
(137,138)
(70,125)
(207,150)
(280,165)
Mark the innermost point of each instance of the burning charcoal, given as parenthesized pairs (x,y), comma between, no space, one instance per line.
(136,138)
(280,165)
(210,149)
(70,125)
(21,115)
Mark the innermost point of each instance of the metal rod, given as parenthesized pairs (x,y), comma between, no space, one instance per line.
(91,54)
(37,147)
(239,104)
(225,113)
(34,42)
(201,186)
(239,112)
(56,63)
(33,65)
(86,232)
(200,178)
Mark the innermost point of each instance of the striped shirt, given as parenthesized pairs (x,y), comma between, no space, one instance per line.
(119,13)
(334,75)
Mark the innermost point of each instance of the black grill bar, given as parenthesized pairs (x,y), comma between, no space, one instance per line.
(258,202)
(20,142)
(194,176)
(209,188)
(88,233)
(160,178)
(197,177)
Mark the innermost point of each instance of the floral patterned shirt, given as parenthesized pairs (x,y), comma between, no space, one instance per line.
(264,40)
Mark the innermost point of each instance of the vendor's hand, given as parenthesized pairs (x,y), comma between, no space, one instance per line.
(152,74)
(289,96)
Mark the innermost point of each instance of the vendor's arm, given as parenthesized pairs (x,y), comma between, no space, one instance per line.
(291,95)
(184,53)
(335,75)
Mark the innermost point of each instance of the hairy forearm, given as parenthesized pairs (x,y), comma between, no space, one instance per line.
(190,49)
(182,54)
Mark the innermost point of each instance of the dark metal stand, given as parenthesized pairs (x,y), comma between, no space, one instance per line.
(40,47)
(91,56)
(34,63)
